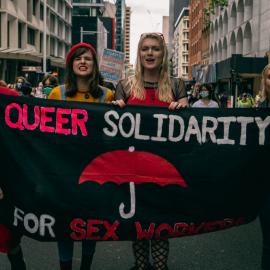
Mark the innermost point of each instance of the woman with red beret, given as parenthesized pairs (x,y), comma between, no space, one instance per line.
(82,83)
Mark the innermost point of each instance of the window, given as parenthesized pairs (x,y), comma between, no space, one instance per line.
(60,7)
(35,8)
(52,23)
(41,12)
(41,42)
(20,29)
(31,36)
(8,34)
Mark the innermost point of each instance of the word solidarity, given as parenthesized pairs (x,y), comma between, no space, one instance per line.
(177,130)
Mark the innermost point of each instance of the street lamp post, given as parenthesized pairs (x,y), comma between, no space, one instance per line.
(83,32)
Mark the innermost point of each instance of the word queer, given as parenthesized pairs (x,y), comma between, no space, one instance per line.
(47,119)
(178,130)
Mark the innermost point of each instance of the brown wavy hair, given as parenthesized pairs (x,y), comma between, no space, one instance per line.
(71,79)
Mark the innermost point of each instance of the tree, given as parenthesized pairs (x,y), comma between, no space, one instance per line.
(216,3)
(211,8)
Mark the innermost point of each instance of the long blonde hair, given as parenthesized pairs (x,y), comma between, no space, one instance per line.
(164,92)
(263,83)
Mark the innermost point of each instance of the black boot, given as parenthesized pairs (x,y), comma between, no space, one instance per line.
(16,260)
(66,265)
(86,262)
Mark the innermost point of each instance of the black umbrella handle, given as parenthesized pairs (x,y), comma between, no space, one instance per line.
(131,213)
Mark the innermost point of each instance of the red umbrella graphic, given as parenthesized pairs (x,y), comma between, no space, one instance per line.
(134,167)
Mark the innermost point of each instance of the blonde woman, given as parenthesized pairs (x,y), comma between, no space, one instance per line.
(151,86)
(265,211)
(265,87)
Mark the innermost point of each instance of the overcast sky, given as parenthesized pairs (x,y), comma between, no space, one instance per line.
(146,16)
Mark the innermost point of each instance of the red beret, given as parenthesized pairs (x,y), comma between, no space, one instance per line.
(80,45)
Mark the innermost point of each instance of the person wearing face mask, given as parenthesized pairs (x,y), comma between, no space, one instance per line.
(205,101)
(19,81)
(49,82)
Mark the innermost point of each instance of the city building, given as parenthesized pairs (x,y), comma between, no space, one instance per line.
(180,50)
(22,26)
(175,8)
(165,29)
(127,35)
(239,43)
(90,25)
(120,16)
(198,37)
(109,9)
(88,8)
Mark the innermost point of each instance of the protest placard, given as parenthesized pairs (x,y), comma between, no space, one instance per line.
(111,65)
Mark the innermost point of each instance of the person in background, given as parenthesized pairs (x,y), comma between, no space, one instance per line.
(205,101)
(151,86)
(265,211)
(38,91)
(245,101)
(257,100)
(26,89)
(19,81)
(10,239)
(81,84)
(3,83)
(49,82)
(194,95)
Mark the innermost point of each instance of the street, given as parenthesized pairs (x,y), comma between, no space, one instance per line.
(238,248)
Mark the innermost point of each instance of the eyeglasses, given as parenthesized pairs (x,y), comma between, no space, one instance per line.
(152,34)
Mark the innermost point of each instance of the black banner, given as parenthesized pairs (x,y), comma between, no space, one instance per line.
(95,171)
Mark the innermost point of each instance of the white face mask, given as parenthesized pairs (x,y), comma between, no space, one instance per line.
(19,85)
(204,94)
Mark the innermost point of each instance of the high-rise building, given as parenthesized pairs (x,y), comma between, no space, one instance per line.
(165,28)
(90,25)
(180,52)
(89,8)
(127,35)
(109,9)
(197,23)
(120,15)
(175,9)
(22,26)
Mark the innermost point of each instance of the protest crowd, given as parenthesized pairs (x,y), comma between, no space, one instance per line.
(151,86)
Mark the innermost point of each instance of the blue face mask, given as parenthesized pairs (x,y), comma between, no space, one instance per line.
(19,85)
(204,94)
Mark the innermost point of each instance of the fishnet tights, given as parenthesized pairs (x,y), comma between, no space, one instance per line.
(159,250)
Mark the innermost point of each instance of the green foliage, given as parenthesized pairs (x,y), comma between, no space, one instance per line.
(216,3)
(211,9)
